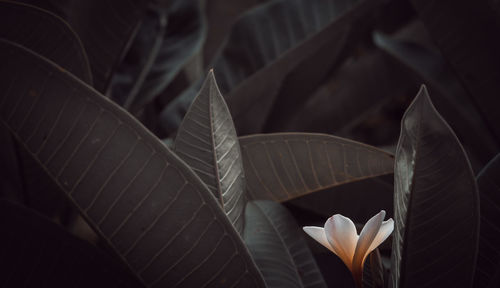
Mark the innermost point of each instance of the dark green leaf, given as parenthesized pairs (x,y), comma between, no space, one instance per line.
(488,259)
(179,33)
(106,28)
(207,141)
(362,90)
(11,181)
(278,247)
(131,73)
(449,96)
(436,204)
(279,48)
(467,34)
(50,36)
(219,27)
(38,253)
(358,200)
(288,49)
(47,34)
(495,280)
(283,166)
(373,271)
(145,202)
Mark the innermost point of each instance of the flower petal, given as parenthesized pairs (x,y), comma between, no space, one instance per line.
(384,232)
(366,237)
(341,234)
(318,234)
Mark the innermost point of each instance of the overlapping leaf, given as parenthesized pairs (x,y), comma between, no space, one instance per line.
(368,84)
(470,47)
(37,253)
(283,166)
(11,181)
(207,141)
(450,97)
(167,39)
(47,34)
(488,259)
(373,271)
(436,205)
(279,48)
(278,247)
(145,202)
(106,27)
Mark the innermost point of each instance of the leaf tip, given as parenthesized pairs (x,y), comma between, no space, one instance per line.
(423,97)
(211,74)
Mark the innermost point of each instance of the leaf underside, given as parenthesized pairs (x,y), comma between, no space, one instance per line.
(140,197)
(436,208)
(38,253)
(208,143)
(282,166)
(488,261)
(278,247)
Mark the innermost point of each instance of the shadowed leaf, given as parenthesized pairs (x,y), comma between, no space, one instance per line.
(470,47)
(495,280)
(219,27)
(145,202)
(283,166)
(50,36)
(488,259)
(106,27)
(278,48)
(373,271)
(359,89)
(207,141)
(11,181)
(278,247)
(36,252)
(47,34)
(287,50)
(436,202)
(450,98)
(167,39)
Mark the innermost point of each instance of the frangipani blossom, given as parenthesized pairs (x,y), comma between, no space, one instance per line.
(340,236)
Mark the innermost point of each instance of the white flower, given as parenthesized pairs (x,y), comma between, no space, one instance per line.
(340,236)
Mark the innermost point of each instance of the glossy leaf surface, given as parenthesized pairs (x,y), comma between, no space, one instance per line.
(207,141)
(488,259)
(436,204)
(283,166)
(145,202)
(278,247)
